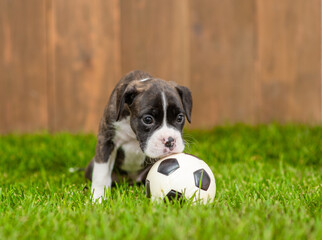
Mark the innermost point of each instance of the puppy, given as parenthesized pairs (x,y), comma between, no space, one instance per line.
(142,122)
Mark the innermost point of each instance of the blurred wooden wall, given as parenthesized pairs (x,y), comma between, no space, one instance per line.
(252,61)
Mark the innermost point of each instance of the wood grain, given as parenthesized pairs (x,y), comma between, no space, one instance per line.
(86,61)
(155,38)
(289,61)
(245,61)
(23,100)
(223,48)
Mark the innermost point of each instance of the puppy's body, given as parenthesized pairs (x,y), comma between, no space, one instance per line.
(143,121)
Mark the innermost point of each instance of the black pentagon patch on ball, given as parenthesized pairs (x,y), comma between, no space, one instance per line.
(168,166)
(147,188)
(173,195)
(202,179)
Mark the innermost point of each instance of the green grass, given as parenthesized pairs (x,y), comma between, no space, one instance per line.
(268,187)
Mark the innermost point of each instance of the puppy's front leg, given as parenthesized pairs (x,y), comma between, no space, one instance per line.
(102,169)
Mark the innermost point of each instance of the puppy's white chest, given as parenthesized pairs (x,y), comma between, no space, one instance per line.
(126,139)
(133,157)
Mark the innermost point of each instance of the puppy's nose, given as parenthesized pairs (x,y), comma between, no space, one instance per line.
(170,143)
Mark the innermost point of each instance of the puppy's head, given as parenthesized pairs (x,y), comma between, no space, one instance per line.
(158,110)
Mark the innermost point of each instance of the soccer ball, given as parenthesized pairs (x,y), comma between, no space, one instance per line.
(181,176)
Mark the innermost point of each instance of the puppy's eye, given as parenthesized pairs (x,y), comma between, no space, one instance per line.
(180,118)
(148,120)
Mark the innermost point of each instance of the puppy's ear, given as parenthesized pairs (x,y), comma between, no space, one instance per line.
(186,99)
(127,98)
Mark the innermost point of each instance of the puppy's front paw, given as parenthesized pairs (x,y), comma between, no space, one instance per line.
(99,193)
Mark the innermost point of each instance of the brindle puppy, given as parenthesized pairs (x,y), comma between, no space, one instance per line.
(142,121)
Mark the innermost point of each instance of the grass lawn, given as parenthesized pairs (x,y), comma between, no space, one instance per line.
(268,187)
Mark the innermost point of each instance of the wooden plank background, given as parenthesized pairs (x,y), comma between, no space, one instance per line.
(248,61)
(23,100)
